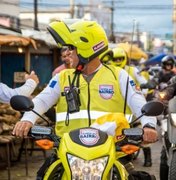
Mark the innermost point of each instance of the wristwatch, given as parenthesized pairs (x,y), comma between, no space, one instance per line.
(148,125)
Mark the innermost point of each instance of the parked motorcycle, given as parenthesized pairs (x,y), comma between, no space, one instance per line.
(85,153)
(168,132)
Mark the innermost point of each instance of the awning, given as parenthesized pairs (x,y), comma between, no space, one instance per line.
(13,40)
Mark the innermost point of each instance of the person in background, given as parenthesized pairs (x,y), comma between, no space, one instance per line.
(101,88)
(27,89)
(166,73)
(65,60)
(119,58)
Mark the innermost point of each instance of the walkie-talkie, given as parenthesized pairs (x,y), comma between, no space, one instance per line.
(72,98)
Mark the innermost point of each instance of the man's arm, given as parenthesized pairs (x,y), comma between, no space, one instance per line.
(27,89)
(42,102)
(136,101)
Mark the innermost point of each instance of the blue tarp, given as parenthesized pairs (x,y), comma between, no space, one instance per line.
(155,59)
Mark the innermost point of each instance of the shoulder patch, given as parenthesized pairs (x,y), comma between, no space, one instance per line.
(132,83)
(52,84)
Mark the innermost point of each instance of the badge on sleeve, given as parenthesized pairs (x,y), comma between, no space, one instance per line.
(52,84)
(135,87)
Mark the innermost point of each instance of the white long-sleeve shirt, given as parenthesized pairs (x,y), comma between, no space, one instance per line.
(6,92)
(50,95)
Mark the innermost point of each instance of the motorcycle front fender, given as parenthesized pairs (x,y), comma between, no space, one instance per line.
(171,125)
(170,156)
(123,172)
(53,168)
(171,130)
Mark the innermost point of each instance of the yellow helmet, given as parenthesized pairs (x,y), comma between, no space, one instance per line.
(106,56)
(88,37)
(119,57)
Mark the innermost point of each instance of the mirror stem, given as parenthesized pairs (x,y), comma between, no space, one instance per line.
(41,117)
(137,119)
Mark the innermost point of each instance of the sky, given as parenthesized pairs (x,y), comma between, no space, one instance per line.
(152,16)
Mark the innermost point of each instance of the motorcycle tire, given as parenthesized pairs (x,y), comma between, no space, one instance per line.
(172,169)
(116,174)
(164,169)
(54,172)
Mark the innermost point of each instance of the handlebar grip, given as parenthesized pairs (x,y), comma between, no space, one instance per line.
(135,134)
(40,130)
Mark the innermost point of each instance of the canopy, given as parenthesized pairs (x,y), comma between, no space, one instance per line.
(13,40)
(155,59)
(133,51)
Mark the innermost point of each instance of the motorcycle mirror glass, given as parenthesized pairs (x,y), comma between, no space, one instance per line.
(152,108)
(21,103)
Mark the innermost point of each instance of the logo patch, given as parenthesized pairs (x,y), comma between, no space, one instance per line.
(66,88)
(98,46)
(132,83)
(89,136)
(52,84)
(106,91)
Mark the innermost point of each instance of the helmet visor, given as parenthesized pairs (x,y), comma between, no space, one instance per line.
(61,34)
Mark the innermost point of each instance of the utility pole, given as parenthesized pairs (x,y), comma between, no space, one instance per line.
(35,15)
(174,26)
(112,37)
(72,8)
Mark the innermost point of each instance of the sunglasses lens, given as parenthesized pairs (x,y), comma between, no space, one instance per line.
(118,59)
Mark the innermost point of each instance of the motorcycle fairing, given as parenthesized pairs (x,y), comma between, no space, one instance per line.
(98,137)
(171,128)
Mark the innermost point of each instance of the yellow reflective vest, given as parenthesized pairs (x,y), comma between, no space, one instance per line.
(98,97)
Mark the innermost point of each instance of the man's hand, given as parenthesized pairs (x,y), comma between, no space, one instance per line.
(150,135)
(22,128)
(33,76)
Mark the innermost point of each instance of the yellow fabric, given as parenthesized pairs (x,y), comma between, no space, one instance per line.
(119,119)
(105,96)
(146,75)
(133,51)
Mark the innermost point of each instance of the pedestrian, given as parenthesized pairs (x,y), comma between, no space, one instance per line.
(27,89)
(65,60)
(97,89)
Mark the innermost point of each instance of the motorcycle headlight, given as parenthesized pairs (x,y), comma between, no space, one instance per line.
(162,95)
(173,118)
(83,169)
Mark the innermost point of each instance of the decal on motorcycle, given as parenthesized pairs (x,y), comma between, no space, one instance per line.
(89,136)
(106,91)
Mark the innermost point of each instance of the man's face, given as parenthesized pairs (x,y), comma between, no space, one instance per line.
(65,56)
(73,55)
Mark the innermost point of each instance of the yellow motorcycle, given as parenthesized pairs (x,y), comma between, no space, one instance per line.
(87,153)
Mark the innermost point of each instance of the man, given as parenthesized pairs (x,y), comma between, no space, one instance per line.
(118,57)
(27,89)
(65,60)
(166,73)
(100,89)
(97,89)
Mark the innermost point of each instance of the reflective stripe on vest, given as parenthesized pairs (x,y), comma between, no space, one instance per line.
(82,114)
